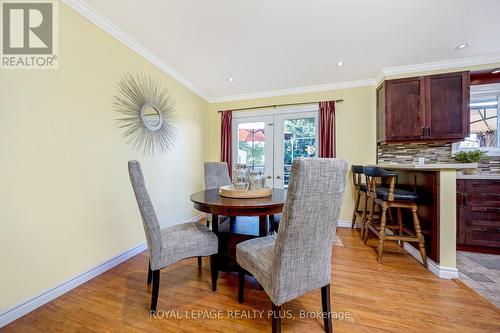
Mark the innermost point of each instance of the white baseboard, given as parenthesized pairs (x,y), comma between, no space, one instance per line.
(442,272)
(347,224)
(17,311)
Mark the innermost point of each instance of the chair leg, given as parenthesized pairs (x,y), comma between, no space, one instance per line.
(156,288)
(214,271)
(356,207)
(421,240)
(150,273)
(276,320)
(199,262)
(381,236)
(241,285)
(369,221)
(327,310)
(400,225)
(363,217)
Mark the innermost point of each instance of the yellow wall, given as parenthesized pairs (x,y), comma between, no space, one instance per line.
(66,203)
(355,126)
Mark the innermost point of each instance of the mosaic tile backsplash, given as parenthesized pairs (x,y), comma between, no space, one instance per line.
(432,152)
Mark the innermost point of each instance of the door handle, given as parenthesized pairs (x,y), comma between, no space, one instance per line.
(269,177)
(278,177)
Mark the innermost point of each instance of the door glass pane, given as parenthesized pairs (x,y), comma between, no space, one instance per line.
(251,144)
(299,140)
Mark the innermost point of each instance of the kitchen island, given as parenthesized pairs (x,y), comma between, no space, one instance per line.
(437,210)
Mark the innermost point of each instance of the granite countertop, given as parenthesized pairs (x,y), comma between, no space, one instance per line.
(436,166)
(493,176)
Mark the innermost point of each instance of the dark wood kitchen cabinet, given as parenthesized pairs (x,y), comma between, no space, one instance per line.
(478,215)
(426,108)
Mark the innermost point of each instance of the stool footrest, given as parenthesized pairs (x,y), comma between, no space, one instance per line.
(404,238)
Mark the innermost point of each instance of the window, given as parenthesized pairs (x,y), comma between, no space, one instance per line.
(251,145)
(484,120)
(299,140)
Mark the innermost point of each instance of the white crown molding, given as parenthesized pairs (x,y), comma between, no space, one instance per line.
(294,91)
(379,78)
(442,272)
(17,311)
(92,15)
(440,65)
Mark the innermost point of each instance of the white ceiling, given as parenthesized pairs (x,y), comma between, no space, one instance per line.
(267,45)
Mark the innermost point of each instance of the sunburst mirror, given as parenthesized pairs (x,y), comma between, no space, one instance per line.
(146,113)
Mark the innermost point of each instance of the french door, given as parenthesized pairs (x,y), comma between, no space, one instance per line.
(270,142)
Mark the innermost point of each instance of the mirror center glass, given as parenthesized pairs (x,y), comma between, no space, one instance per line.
(151,118)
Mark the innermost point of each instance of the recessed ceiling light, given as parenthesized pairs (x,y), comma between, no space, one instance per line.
(496,71)
(229,79)
(340,63)
(463,46)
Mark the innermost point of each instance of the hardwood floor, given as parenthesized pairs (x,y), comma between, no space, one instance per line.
(396,296)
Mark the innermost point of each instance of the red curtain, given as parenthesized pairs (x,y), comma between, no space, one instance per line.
(225,139)
(327,129)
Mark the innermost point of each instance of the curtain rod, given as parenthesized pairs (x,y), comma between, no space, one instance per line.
(273,106)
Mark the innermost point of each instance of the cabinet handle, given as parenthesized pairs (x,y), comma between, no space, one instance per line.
(493,210)
(429,130)
(423,131)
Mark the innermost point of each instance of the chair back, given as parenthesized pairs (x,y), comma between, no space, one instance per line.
(149,218)
(357,174)
(372,173)
(302,253)
(216,175)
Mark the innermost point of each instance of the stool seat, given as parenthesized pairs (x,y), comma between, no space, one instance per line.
(399,195)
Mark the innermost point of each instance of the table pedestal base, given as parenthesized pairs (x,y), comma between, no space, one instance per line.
(233,231)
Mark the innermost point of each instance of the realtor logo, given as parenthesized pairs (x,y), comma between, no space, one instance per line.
(28,34)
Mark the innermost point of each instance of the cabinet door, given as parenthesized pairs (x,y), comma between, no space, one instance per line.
(447,106)
(483,227)
(381,122)
(405,109)
(461,212)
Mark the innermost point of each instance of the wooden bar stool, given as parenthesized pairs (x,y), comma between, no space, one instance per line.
(387,198)
(361,197)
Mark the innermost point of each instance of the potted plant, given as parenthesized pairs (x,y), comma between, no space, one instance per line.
(471,156)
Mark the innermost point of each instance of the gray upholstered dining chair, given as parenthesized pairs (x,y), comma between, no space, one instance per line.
(216,175)
(298,258)
(169,245)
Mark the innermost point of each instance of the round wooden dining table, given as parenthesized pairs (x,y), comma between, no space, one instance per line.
(239,226)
